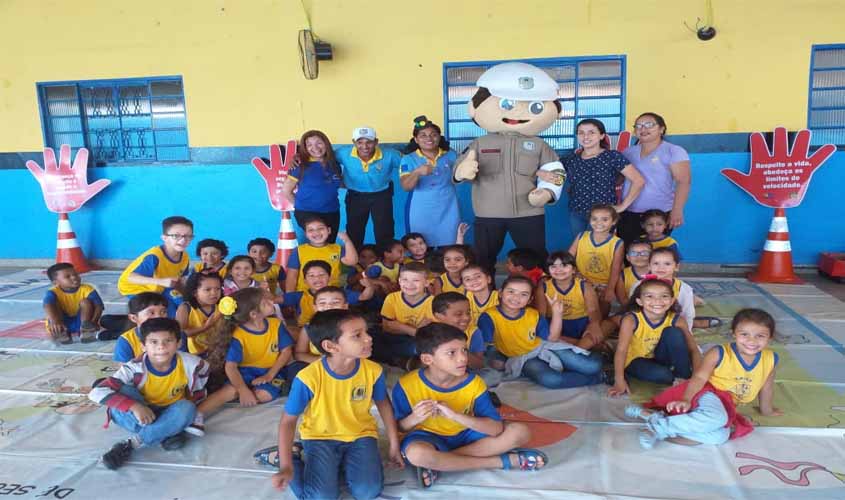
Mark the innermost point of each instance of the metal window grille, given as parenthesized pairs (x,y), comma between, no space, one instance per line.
(590,87)
(139,119)
(826,107)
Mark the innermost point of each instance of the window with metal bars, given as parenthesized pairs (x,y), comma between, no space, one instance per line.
(590,87)
(826,107)
(138,119)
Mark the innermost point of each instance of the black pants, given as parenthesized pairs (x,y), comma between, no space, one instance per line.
(332,219)
(360,206)
(630,227)
(526,232)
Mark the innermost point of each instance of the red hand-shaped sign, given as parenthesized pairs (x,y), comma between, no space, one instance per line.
(623,141)
(779,179)
(65,188)
(275,174)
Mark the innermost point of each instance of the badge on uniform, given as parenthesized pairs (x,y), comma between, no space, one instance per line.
(526,82)
(528,146)
(359,393)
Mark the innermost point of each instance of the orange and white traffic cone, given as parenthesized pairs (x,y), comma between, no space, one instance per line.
(67,248)
(776,261)
(287,240)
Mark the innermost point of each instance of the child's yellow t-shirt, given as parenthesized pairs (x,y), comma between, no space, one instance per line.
(397,308)
(153,263)
(594,258)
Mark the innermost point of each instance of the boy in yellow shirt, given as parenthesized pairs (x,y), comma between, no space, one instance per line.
(334,396)
(71,306)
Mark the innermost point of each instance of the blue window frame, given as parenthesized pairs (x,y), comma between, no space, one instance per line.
(138,119)
(826,107)
(590,87)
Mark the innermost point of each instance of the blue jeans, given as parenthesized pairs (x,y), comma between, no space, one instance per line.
(578,370)
(671,360)
(705,424)
(578,223)
(170,420)
(318,474)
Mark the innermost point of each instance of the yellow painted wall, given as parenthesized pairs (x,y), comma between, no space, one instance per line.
(243,83)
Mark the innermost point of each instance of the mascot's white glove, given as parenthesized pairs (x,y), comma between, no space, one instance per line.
(548,192)
(468,168)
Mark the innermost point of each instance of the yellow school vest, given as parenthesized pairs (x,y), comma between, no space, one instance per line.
(646,335)
(593,259)
(271,276)
(165,269)
(476,308)
(340,407)
(198,344)
(515,336)
(446,285)
(460,399)
(330,252)
(164,389)
(574,306)
(742,381)
(629,279)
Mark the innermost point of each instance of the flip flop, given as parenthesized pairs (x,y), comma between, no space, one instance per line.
(424,474)
(270,456)
(527,459)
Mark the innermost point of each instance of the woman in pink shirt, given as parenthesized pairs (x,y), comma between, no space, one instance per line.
(666,169)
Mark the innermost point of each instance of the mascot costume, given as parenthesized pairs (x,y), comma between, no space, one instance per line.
(514,173)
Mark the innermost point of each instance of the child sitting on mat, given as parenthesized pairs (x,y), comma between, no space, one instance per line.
(703,410)
(447,413)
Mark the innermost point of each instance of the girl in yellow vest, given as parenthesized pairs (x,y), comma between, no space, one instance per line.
(703,410)
(198,314)
(477,282)
(455,259)
(638,253)
(582,320)
(655,344)
(598,254)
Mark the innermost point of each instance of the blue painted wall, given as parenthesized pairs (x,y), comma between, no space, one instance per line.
(228,201)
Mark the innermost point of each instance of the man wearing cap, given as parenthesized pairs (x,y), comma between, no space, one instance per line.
(368,172)
(514,174)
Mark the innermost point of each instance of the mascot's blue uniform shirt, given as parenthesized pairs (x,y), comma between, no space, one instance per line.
(367,177)
(318,187)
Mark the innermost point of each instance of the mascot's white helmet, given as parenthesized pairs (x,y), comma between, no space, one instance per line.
(520,82)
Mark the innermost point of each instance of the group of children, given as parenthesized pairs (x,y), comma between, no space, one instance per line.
(254,332)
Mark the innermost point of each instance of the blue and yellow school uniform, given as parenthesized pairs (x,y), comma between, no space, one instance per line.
(382,270)
(330,253)
(594,258)
(646,335)
(162,389)
(476,308)
(575,317)
(128,346)
(255,352)
(304,304)
(513,336)
(666,242)
(631,278)
(447,285)
(197,317)
(273,275)
(742,380)
(200,267)
(469,397)
(370,176)
(154,263)
(68,302)
(318,185)
(334,406)
(397,308)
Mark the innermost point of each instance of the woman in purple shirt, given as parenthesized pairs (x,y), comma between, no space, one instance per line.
(666,169)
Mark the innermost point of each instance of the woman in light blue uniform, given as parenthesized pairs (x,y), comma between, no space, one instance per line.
(426,171)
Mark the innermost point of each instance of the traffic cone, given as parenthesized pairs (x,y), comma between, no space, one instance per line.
(776,261)
(287,240)
(67,248)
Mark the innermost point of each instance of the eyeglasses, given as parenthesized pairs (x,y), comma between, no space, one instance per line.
(645,125)
(178,237)
(641,253)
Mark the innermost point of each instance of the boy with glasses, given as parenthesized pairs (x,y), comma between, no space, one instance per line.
(161,269)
